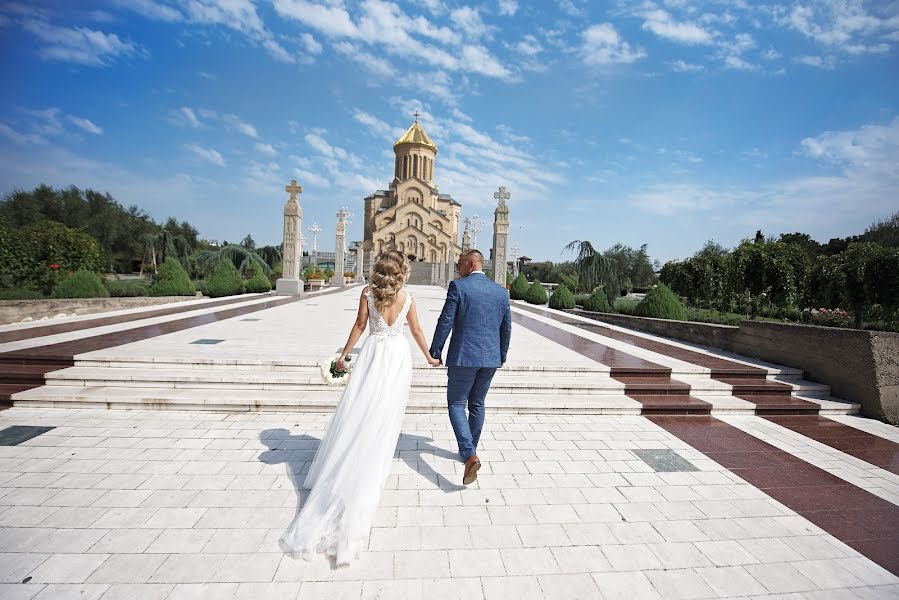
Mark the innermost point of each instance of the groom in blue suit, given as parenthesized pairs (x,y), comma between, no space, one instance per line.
(478,314)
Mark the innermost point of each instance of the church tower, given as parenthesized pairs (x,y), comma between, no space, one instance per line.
(412,216)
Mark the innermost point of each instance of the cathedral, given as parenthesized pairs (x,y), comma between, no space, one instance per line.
(412,216)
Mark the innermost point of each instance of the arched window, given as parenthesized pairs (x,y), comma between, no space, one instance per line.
(424,170)
(405,167)
(431,170)
(415,165)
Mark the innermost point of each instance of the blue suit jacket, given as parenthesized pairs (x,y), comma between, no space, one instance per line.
(477,312)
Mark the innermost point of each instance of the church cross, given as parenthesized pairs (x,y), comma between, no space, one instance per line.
(416,114)
(502,195)
(293,189)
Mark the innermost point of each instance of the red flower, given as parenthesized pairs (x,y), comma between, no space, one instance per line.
(54,266)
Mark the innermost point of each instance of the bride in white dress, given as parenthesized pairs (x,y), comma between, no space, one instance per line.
(356,452)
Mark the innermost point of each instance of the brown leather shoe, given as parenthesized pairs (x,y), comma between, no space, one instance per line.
(471,470)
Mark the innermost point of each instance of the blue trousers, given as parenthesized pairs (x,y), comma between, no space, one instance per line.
(467,386)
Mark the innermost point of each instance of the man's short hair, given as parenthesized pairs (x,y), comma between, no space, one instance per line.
(472,255)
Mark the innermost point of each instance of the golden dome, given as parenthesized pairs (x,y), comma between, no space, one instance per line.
(416,135)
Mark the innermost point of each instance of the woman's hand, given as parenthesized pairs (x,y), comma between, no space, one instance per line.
(341,363)
(434,362)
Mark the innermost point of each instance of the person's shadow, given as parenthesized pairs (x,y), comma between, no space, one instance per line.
(296,452)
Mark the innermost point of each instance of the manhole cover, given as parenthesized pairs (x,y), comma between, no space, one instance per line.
(207,342)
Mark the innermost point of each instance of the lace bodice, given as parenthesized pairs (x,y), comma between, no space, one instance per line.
(379,327)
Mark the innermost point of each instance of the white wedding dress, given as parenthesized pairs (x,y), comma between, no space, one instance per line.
(355,455)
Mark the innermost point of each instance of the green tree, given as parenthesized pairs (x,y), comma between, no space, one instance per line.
(81,284)
(258,282)
(562,298)
(241,258)
(593,269)
(171,280)
(661,303)
(519,287)
(712,249)
(598,301)
(536,294)
(225,281)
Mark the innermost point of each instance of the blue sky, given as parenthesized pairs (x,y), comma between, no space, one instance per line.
(665,123)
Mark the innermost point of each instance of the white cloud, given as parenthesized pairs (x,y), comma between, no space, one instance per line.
(80,45)
(375,64)
(851,26)
(684,67)
(266,149)
(529,46)
(603,46)
(507,8)
(311,45)
(376,125)
(20,138)
(469,21)
(738,63)
(815,61)
(152,10)
(207,154)
(663,25)
(235,123)
(85,124)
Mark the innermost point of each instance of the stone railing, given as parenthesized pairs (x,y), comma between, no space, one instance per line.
(859,366)
(16,311)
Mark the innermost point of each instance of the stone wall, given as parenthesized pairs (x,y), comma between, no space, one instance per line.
(14,311)
(860,366)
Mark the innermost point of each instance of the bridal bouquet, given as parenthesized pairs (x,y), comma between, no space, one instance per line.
(334,376)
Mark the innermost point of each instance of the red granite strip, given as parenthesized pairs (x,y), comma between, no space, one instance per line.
(749,383)
(646,382)
(866,522)
(865,446)
(28,333)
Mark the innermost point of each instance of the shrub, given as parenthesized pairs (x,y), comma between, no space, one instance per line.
(519,287)
(625,306)
(536,294)
(579,299)
(597,302)
(81,284)
(171,280)
(661,303)
(277,273)
(315,275)
(349,274)
(127,288)
(20,295)
(562,298)
(225,281)
(328,273)
(258,283)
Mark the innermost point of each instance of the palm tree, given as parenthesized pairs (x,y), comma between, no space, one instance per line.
(241,257)
(158,246)
(593,269)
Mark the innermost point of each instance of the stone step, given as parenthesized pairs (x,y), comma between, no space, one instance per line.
(302,401)
(145,398)
(423,380)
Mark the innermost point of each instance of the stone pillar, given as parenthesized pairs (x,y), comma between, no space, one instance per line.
(371,262)
(448,269)
(466,236)
(340,247)
(290,283)
(360,256)
(500,236)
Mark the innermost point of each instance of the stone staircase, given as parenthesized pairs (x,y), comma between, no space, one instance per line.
(247,385)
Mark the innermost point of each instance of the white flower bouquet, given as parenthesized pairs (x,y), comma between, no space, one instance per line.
(334,376)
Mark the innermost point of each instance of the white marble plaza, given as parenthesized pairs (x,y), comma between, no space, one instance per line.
(180,504)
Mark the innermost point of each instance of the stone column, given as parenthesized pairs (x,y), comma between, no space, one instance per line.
(340,247)
(290,283)
(466,236)
(448,269)
(500,236)
(360,256)
(371,262)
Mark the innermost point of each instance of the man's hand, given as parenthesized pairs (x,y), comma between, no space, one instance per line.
(434,362)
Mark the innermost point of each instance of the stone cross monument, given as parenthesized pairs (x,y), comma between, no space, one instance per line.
(466,236)
(290,283)
(500,236)
(340,246)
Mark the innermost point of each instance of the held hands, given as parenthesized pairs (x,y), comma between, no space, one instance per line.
(434,362)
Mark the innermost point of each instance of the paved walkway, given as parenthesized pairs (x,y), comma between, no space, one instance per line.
(181,504)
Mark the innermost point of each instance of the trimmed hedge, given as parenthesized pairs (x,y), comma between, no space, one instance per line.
(258,283)
(171,280)
(519,287)
(536,294)
(661,303)
(127,288)
(562,298)
(598,302)
(81,284)
(19,294)
(225,281)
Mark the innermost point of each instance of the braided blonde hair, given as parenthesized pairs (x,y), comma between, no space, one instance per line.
(387,278)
